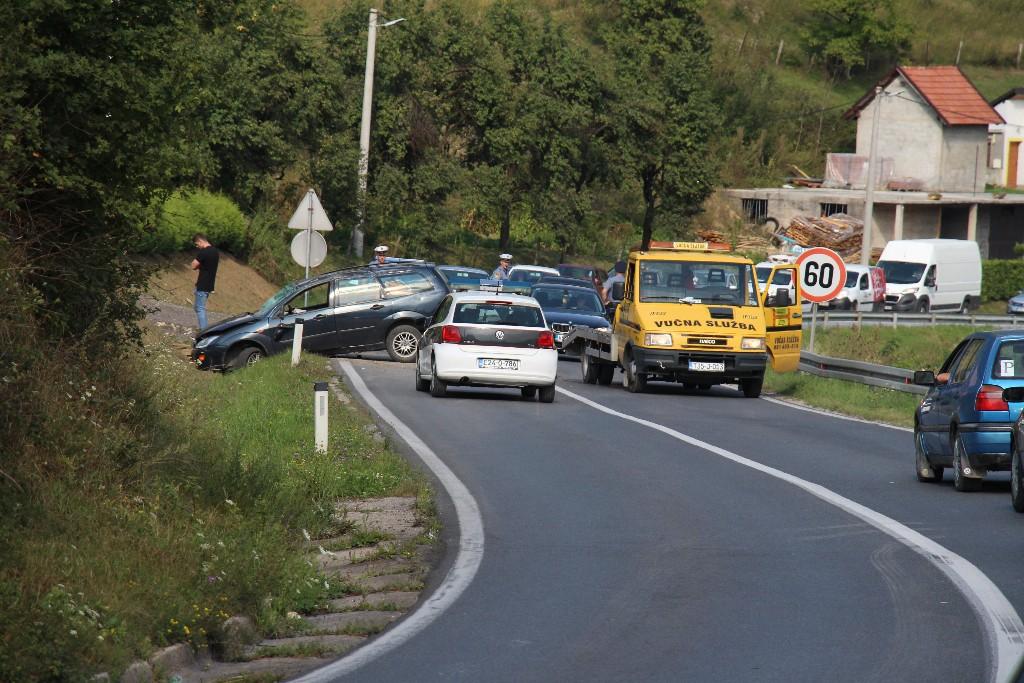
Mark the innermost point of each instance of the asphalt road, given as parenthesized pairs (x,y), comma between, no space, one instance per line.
(615,552)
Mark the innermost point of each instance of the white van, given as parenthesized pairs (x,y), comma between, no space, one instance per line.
(783,278)
(935,274)
(864,289)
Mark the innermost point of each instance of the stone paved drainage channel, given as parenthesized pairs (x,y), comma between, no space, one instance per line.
(387,576)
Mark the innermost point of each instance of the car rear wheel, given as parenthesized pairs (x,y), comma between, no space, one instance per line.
(752,387)
(961,482)
(588,368)
(605,374)
(1017,481)
(247,357)
(529,393)
(438,387)
(402,343)
(634,381)
(547,394)
(925,470)
(421,384)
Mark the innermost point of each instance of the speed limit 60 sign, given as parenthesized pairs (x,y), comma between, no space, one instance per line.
(822,274)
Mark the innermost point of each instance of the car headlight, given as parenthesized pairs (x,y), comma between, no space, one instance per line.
(910,290)
(752,344)
(206,341)
(602,329)
(657,339)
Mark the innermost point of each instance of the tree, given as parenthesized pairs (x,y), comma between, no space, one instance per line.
(663,113)
(847,34)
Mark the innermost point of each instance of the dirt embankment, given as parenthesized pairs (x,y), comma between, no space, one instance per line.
(239,288)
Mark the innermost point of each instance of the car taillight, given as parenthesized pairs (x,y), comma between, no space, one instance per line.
(451,335)
(990,398)
(545,340)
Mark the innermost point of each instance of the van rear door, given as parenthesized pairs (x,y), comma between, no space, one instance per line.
(783,319)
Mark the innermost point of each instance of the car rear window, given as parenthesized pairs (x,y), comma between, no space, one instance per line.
(498,313)
(1010,360)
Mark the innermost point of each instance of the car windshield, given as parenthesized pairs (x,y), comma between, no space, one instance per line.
(526,275)
(282,295)
(568,299)
(578,272)
(498,313)
(462,272)
(695,282)
(902,272)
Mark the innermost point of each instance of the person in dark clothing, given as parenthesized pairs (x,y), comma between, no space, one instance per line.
(205,262)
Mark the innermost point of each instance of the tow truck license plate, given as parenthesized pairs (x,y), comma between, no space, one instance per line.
(497,363)
(707,367)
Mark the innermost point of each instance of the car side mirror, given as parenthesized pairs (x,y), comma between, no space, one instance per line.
(1013,394)
(925,378)
(618,290)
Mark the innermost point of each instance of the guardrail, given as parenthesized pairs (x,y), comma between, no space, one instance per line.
(827,318)
(859,371)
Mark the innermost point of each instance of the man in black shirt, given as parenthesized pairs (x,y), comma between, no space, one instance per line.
(206,263)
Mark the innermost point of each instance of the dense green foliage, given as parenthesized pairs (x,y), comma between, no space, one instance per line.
(1001,279)
(848,34)
(184,215)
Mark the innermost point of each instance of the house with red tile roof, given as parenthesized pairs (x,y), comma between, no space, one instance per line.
(934,153)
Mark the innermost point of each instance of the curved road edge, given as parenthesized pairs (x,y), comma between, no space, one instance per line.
(463,569)
(999,620)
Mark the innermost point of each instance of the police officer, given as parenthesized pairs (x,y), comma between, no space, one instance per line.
(504,264)
(380,255)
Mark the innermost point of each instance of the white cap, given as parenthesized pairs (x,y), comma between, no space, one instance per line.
(382,249)
(505,257)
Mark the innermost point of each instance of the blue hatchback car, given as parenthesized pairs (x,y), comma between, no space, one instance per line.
(964,421)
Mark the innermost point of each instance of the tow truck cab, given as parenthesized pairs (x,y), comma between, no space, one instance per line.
(694,313)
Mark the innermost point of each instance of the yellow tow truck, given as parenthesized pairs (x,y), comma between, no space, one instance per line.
(692,312)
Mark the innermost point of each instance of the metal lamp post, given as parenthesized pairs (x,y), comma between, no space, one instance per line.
(364,129)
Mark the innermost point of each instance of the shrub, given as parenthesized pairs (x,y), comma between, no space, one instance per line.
(1001,279)
(183,215)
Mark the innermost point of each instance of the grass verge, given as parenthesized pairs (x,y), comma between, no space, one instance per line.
(148,501)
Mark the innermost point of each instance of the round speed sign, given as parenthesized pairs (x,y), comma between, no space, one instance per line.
(822,274)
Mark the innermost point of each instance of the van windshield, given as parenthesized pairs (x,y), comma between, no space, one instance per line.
(695,282)
(851,278)
(902,272)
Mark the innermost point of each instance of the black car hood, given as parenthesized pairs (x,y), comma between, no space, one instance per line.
(557,315)
(228,324)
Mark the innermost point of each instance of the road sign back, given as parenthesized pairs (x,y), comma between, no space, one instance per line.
(822,274)
(310,215)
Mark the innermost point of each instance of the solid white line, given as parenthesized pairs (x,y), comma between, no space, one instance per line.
(1000,622)
(467,562)
(838,416)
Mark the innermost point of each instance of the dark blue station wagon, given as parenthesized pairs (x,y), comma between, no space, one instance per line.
(964,422)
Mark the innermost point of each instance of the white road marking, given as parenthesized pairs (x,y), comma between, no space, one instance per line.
(838,416)
(467,562)
(1000,622)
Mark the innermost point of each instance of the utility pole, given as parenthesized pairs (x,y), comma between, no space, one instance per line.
(869,192)
(364,136)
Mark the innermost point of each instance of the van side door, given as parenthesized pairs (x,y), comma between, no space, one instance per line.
(783,317)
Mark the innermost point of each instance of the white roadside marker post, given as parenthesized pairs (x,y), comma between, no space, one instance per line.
(320,413)
(297,342)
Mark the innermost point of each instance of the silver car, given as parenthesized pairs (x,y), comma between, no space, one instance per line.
(1016,304)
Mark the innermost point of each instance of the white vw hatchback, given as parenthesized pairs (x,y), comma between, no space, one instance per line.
(488,339)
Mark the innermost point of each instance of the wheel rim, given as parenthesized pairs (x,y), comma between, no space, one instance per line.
(253,359)
(404,344)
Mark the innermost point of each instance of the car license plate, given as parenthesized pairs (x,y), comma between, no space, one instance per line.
(497,363)
(701,366)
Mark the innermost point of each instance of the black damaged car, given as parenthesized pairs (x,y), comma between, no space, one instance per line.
(368,308)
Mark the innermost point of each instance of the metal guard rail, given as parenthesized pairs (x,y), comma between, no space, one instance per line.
(828,318)
(884,376)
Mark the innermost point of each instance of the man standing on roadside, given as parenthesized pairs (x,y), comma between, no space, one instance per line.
(618,276)
(205,262)
(504,264)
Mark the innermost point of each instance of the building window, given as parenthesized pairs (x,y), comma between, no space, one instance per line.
(756,210)
(829,208)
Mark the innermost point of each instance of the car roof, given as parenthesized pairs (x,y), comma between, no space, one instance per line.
(451,267)
(999,334)
(355,270)
(476,296)
(565,285)
(546,269)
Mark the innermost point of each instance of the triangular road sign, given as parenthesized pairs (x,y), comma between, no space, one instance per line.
(310,209)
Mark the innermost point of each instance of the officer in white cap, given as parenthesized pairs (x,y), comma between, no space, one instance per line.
(380,255)
(504,263)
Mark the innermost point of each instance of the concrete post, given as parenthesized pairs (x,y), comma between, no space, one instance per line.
(972,223)
(869,194)
(320,415)
(297,342)
(897,228)
(364,135)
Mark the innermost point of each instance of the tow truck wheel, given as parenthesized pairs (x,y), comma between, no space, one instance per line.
(589,369)
(752,387)
(634,381)
(605,374)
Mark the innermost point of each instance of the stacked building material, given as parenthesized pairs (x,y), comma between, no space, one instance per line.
(840,232)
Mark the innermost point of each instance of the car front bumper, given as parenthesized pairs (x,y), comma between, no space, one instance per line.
(210,358)
(676,364)
(901,303)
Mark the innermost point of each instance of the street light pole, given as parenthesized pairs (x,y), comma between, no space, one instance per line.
(869,193)
(364,129)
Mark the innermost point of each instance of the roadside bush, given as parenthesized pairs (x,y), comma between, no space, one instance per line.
(1001,279)
(185,214)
